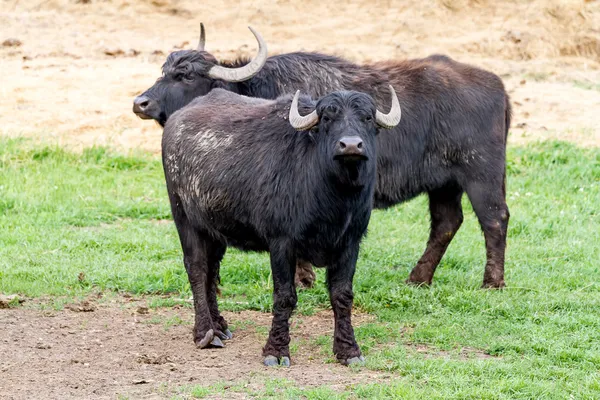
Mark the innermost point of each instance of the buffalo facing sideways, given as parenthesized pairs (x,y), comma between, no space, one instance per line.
(452,139)
(239,173)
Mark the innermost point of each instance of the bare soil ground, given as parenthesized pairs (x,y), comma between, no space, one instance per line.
(102,349)
(79,63)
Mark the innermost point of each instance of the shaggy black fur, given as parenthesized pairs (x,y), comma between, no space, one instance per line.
(239,175)
(451,140)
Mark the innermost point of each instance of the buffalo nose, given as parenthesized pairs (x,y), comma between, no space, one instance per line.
(350,146)
(143,106)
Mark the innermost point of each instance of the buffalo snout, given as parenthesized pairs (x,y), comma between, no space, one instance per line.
(351,147)
(145,108)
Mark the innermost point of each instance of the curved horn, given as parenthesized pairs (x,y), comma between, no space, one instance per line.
(248,70)
(392,118)
(202,41)
(299,122)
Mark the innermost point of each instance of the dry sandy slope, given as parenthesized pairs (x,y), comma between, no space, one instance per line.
(61,84)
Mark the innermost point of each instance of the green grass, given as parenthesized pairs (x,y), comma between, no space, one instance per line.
(270,388)
(537,76)
(103,213)
(587,85)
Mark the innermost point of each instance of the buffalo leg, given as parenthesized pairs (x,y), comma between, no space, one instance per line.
(339,283)
(195,258)
(283,266)
(446,218)
(305,275)
(215,256)
(489,204)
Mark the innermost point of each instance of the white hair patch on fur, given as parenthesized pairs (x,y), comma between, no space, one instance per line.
(210,141)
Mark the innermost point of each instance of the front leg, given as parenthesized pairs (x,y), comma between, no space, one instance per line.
(283,267)
(339,282)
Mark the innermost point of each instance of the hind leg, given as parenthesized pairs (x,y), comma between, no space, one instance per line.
(196,249)
(489,203)
(305,275)
(446,218)
(215,255)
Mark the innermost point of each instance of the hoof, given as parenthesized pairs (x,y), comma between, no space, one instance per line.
(418,283)
(209,340)
(271,361)
(493,285)
(227,335)
(354,360)
(284,361)
(216,342)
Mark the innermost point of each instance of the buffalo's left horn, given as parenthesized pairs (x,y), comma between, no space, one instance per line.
(392,118)
(202,41)
(248,70)
(299,122)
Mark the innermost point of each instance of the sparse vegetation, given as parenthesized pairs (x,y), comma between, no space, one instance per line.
(587,85)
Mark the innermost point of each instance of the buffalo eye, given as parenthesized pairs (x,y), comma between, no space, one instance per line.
(368,119)
(326,118)
(188,77)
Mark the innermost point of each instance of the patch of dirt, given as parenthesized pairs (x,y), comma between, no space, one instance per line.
(84,306)
(73,82)
(463,353)
(116,350)
(10,301)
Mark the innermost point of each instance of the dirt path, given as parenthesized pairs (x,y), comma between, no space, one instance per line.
(79,63)
(114,350)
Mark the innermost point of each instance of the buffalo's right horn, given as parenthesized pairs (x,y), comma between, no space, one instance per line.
(202,41)
(299,122)
(248,70)
(392,118)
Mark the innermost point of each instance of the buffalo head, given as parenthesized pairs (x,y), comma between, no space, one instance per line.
(188,74)
(344,125)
